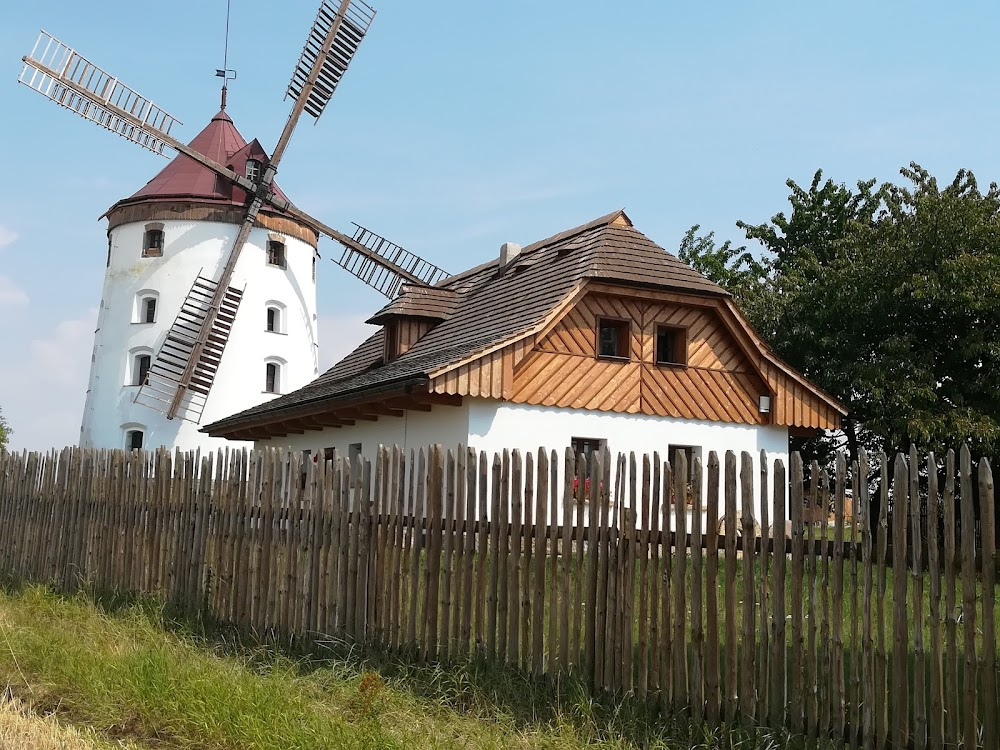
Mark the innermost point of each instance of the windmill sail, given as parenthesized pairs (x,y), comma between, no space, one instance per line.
(60,73)
(165,387)
(384,265)
(349,23)
(184,369)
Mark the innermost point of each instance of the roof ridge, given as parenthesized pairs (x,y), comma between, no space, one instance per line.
(600,221)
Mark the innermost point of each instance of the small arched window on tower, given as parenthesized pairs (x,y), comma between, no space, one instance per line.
(275,321)
(272,377)
(152,241)
(140,360)
(145,306)
(253,170)
(134,439)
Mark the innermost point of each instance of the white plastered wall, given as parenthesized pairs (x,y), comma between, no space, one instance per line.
(191,247)
(447,425)
(493,426)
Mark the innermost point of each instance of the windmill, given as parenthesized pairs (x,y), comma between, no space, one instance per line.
(180,377)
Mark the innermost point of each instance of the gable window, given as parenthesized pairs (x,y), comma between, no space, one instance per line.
(671,346)
(612,339)
(133,440)
(253,170)
(276,253)
(140,368)
(152,241)
(272,378)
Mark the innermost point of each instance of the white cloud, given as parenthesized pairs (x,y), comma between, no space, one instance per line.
(11,295)
(339,335)
(7,236)
(43,385)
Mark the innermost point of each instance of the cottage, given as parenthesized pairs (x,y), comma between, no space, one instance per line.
(595,337)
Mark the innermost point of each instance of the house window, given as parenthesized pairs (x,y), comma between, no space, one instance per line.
(253,170)
(276,253)
(274,320)
(272,378)
(152,243)
(586,446)
(133,440)
(671,346)
(612,339)
(314,268)
(354,455)
(148,310)
(140,368)
(691,452)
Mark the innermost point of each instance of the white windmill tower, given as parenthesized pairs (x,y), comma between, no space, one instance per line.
(209,302)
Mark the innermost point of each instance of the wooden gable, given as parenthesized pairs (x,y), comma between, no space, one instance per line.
(718,382)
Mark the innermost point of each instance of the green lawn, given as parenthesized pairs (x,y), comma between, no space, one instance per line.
(128,674)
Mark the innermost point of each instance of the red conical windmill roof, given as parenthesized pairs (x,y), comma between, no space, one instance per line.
(186,179)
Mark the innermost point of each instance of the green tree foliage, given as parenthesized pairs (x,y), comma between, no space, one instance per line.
(5,432)
(888,297)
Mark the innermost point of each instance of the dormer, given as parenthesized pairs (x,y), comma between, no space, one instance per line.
(410,316)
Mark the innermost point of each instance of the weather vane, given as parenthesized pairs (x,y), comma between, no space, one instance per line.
(226,73)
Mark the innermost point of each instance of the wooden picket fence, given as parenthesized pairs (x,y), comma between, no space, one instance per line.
(612,571)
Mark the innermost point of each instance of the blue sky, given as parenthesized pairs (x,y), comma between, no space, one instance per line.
(462,125)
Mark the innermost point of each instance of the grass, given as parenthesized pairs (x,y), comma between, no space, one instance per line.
(127,675)
(24,730)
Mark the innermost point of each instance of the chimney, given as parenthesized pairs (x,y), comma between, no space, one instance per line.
(508,251)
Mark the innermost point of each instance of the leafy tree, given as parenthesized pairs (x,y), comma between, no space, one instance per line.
(5,432)
(887,297)
(731,267)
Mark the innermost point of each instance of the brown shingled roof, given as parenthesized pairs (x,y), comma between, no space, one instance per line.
(184,178)
(493,306)
(435,303)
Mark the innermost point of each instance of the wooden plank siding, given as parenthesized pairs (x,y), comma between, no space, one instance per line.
(408,332)
(717,384)
(727,369)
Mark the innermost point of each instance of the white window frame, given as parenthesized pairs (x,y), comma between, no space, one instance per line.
(279,381)
(132,366)
(280,309)
(139,306)
(257,168)
(128,428)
